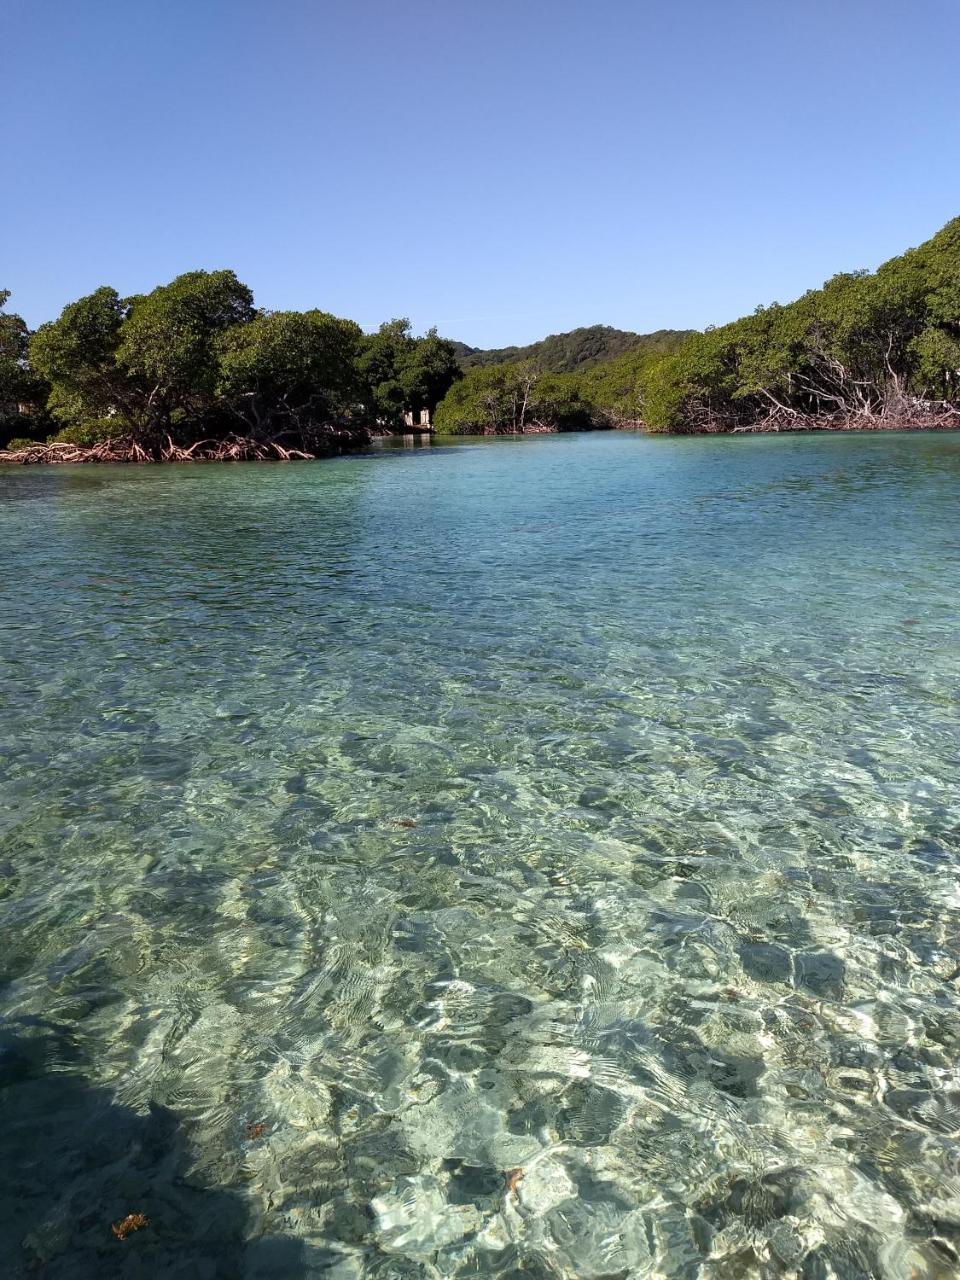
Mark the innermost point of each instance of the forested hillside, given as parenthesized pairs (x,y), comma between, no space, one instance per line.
(578,349)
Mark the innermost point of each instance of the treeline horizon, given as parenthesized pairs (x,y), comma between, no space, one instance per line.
(194,362)
(195,359)
(866,349)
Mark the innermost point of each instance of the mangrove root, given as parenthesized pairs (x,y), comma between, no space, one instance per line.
(232,448)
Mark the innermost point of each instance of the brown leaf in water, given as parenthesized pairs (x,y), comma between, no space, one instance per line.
(256,1130)
(513,1178)
(132,1222)
(406,822)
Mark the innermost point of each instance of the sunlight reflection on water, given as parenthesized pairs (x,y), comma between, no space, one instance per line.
(552,844)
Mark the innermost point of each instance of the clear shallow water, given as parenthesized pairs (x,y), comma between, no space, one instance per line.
(677,929)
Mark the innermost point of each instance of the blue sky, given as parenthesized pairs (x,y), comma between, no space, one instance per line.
(499,168)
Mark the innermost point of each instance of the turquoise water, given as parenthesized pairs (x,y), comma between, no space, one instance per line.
(676,933)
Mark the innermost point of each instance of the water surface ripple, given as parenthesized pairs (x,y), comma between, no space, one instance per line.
(526,858)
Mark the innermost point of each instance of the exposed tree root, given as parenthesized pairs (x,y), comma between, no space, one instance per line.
(238,448)
(895,416)
(232,448)
(911,419)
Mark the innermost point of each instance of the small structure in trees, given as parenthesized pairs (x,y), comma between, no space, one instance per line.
(417,420)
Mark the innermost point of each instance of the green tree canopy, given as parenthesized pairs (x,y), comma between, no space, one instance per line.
(402,373)
(77,354)
(23,391)
(508,398)
(290,369)
(168,344)
(865,345)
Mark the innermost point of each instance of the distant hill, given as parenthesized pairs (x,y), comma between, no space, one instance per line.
(578,349)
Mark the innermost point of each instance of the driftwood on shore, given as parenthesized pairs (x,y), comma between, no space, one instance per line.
(232,448)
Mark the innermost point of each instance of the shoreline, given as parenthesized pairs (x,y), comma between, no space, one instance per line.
(128,451)
(783,423)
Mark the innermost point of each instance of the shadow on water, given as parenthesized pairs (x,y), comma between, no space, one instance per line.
(73,1161)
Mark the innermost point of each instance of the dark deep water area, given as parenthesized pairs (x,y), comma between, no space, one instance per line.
(551,843)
